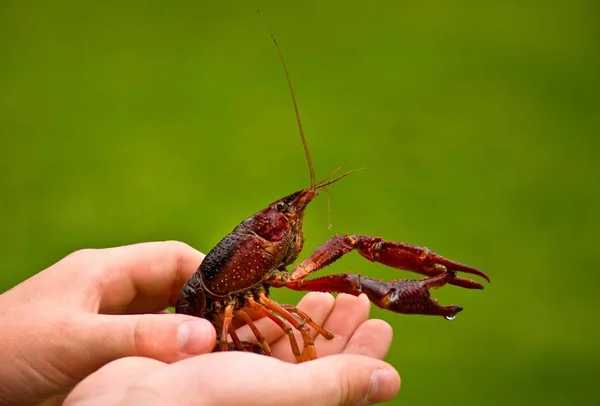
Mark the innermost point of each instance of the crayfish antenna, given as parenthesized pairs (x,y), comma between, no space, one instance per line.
(329,222)
(336,170)
(289,82)
(327,181)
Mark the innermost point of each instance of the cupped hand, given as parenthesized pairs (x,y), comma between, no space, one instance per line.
(348,372)
(85,311)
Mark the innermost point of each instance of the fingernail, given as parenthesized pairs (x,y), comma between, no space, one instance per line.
(194,337)
(383,386)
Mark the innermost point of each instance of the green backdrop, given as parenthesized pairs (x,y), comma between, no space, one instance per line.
(478,125)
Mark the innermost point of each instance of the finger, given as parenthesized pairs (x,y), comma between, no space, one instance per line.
(350,385)
(133,279)
(112,378)
(335,380)
(318,306)
(372,338)
(60,348)
(100,339)
(348,314)
(166,337)
(136,278)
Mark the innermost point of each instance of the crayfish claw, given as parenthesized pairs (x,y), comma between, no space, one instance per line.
(466,283)
(413,258)
(406,296)
(413,297)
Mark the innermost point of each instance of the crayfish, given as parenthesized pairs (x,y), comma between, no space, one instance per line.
(245,264)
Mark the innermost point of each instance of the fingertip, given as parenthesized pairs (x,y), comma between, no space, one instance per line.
(345,299)
(365,299)
(353,379)
(383,386)
(196,336)
(380,327)
(316,299)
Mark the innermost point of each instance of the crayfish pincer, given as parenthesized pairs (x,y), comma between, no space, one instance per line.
(238,272)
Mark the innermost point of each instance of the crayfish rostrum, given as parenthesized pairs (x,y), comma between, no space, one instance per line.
(239,271)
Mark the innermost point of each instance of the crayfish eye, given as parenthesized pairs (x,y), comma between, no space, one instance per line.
(281,206)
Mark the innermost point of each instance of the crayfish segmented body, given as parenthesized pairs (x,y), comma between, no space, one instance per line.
(238,272)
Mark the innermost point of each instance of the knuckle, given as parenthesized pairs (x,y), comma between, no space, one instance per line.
(178,250)
(177,246)
(347,393)
(81,255)
(85,259)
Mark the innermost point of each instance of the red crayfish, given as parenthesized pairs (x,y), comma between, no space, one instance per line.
(239,271)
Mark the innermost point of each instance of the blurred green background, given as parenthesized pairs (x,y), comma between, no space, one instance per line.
(478,126)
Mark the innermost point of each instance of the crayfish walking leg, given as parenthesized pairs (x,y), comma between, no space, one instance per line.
(260,338)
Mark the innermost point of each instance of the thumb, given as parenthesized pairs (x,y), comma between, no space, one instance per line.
(333,380)
(351,379)
(60,350)
(164,337)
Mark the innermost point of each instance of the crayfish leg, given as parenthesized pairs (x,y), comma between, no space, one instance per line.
(309,352)
(262,342)
(287,329)
(400,296)
(246,347)
(309,321)
(236,340)
(227,318)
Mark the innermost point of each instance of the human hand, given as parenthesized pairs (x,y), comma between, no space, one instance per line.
(233,378)
(237,378)
(55,336)
(67,321)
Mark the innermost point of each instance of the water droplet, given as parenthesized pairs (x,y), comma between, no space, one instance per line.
(451,317)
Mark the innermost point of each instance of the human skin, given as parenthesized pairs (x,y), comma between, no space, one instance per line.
(96,320)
